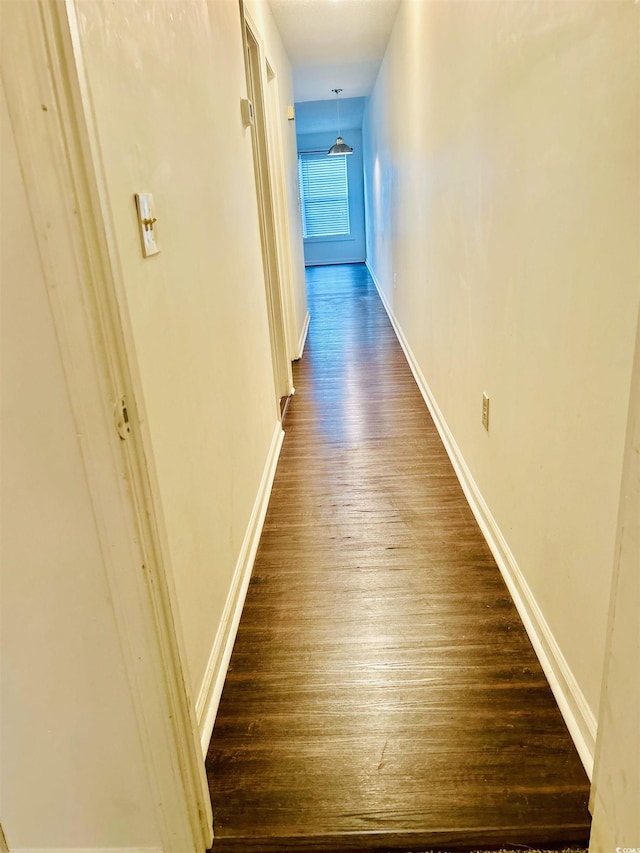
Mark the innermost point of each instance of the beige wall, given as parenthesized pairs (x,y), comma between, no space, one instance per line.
(165,81)
(71,764)
(163,87)
(502,183)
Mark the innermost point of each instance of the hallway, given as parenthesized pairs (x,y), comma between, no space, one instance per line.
(382,692)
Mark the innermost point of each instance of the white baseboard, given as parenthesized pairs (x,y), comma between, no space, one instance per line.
(574,708)
(213,682)
(303,336)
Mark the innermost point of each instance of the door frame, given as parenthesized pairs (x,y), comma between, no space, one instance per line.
(255,70)
(52,120)
(281,209)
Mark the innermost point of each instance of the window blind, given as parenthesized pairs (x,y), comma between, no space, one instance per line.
(324,194)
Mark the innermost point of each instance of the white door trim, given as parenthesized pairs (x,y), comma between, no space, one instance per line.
(255,67)
(57,142)
(280,209)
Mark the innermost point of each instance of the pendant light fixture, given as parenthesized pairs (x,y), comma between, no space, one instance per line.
(340,147)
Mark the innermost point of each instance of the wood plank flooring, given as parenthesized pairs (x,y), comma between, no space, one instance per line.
(382,693)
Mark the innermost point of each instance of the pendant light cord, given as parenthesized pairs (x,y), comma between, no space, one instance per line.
(340,147)
(337,91)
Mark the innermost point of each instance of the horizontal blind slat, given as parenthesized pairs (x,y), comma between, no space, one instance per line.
(324,195)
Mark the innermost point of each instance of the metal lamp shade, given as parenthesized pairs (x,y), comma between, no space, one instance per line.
(340,147)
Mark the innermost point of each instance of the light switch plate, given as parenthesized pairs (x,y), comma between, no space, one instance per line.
(147,222)
(485,411)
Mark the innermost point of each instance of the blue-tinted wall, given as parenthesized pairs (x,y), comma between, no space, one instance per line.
(340,250)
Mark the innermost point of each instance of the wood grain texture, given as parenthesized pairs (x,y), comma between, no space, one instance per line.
(382,693)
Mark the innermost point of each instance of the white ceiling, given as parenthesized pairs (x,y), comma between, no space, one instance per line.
(334,44)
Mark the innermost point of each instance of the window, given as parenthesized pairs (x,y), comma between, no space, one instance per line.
(324,194)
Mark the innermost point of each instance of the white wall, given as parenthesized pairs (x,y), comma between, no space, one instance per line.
(165,82)
(71,769)
(501,158)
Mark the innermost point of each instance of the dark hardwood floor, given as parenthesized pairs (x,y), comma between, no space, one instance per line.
(382,693)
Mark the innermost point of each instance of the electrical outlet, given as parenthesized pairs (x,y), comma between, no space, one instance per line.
(395,280)
(485,412)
